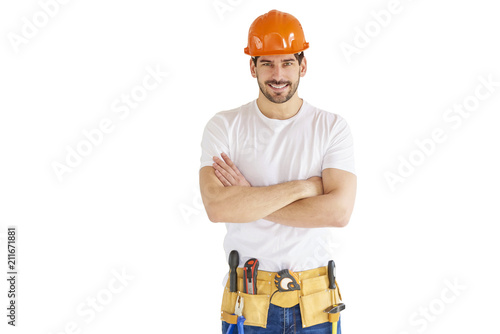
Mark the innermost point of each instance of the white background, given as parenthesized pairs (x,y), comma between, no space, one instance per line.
(132,204)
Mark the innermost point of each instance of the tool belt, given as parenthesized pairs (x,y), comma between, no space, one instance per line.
(314,297)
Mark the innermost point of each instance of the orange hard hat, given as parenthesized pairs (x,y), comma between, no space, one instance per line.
(275,33)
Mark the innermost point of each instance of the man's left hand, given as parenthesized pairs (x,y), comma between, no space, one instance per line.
(227,172)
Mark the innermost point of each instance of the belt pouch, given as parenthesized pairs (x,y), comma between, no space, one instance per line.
(315,299)
(255,307)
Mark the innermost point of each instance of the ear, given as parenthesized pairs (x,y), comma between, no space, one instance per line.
(252,68)
(303,67)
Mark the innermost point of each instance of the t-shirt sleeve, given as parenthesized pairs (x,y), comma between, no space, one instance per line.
(340,153)
(214,141)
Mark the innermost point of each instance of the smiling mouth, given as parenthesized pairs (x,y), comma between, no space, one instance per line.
(278,86)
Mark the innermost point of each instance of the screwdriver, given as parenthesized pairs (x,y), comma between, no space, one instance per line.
(331,274)
(234,261)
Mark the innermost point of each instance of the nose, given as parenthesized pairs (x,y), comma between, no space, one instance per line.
(277,72)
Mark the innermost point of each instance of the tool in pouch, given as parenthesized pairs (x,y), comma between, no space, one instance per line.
(286,280)
(234,260)
(238,309)
(250,276)
(331,277)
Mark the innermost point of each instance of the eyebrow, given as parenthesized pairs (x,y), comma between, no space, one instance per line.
(283,61)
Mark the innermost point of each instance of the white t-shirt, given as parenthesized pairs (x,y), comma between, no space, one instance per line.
(270,151)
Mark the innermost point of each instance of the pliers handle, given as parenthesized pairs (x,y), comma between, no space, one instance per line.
(239,324)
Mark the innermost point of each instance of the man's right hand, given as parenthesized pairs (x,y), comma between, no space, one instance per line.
(227,172)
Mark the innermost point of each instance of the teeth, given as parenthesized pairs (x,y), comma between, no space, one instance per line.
(278,87)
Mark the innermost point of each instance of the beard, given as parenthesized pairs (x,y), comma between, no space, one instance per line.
(278,97)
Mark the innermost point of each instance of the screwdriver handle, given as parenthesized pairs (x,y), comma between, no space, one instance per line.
(234,260)
(331,274)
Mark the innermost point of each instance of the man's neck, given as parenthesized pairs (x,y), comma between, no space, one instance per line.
(280,111)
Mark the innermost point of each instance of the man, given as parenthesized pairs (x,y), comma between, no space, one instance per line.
(280,173)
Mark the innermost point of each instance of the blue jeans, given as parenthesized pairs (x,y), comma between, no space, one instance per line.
(285,320)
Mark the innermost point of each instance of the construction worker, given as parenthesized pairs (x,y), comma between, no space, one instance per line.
(280,173)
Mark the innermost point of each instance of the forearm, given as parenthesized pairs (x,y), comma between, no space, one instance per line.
(239,204)
(318,211)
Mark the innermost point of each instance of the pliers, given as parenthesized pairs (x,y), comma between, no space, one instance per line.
(238,308)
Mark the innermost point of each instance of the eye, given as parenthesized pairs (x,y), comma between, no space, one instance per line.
(289,64)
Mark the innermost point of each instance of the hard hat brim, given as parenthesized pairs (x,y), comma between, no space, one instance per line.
(275,52)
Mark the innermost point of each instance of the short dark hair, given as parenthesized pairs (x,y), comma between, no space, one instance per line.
(299,56)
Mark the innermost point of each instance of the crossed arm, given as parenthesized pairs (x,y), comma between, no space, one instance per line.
(325,201)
